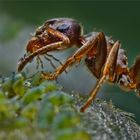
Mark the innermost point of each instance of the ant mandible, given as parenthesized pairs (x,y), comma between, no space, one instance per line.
(105,58)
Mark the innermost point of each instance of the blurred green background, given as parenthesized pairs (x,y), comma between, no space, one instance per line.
(118,19)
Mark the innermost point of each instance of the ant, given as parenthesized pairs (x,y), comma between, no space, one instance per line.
(105,58)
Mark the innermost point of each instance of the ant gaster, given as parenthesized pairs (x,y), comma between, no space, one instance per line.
(105,58)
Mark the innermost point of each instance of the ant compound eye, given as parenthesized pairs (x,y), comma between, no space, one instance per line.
(63,27)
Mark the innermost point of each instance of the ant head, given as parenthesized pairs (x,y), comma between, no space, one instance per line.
(69,27)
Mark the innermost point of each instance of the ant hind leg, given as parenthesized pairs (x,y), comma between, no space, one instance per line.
(108,72)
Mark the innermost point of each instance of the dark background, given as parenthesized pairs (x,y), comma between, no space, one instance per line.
(119,19)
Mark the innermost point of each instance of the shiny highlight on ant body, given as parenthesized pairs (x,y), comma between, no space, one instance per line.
(104,57)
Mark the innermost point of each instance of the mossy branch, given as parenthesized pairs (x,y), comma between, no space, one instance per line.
(31,108)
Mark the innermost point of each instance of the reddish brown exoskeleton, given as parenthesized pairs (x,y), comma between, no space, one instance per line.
(104,57)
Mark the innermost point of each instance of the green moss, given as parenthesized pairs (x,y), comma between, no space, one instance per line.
(39,109)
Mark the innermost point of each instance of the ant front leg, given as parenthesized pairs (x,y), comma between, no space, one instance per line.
(57,46)
(107,74)
(47,48)
(89,46)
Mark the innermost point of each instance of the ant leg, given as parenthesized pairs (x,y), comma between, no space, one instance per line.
(50,61)
(93,94)
(37,61)
(40,61)
(96,57)
(51,47)
(61,45)
(111,61)
(55,58)
(108,72)
(77,56)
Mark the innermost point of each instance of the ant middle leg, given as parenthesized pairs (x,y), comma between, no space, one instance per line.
(50,61)
(39,62)
(54,58)
(89,46)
